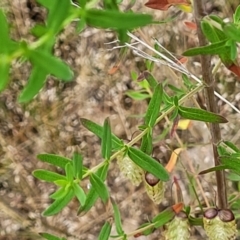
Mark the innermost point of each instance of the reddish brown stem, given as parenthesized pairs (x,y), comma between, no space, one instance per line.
(211,103)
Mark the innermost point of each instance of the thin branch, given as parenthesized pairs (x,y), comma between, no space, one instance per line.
(211,103)
(168,62)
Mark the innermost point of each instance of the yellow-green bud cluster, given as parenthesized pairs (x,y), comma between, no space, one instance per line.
(154,188)
(178,228)
(130,170)
(219,224)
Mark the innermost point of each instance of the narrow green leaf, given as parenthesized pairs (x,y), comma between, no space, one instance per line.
(214,49)
(77,165)
(98,130)
(216,35)
(47,175)
(200,115)
(187,82)
(39,30)
(55,160)
(231,162)
(99,186)
(80,194)
(50,64)
(232,146)
(209,32)
(154,106)
(236,15)
(57,13)
(92,195)
(219,32)
(214,169)
(146,144)
(50,236)
(106,140)
(47,4)
(82,3)
(117,218)
(148,163)
(4,33)
(233,177)
(137,95)
(222,150)
(116,20)
(81,25)
(34,85)
(151,80)
(233,49)
(123,36)
(60,193)
(174,115)
(59,204)
(232,31)
(175,89)
(163,218)
(91,198)
(110,4)
(4,70)
(69,172)
(175,101)
(147,231)
(62,183)
(105,231)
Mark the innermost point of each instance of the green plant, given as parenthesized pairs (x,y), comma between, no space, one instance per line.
(164,101)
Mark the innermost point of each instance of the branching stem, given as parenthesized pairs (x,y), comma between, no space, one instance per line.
(211,104)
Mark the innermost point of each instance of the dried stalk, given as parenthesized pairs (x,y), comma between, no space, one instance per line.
(211,103)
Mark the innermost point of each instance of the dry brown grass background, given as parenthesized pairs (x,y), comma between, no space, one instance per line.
(50,124)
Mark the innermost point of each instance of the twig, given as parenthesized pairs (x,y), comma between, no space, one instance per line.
(211,104)
(168,62)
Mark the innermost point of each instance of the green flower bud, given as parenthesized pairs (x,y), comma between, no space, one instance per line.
(154,187)
(220,224)
(178,228)
(129,169)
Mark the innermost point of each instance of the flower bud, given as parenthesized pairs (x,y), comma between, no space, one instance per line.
(154,187)
(219,224)
(178,228)
(130,170)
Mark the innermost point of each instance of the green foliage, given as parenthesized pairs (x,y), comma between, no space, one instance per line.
(39,53)
(106,140)
(92,195)
(68,183)
(51,237)
(48,176)
(163,100)
(200,115)
(116,20)
(99,187)
(223,38)
(105,231)
(59,203)
(148,163)
(99,131)
(163,218)
(55,160)
(154,107)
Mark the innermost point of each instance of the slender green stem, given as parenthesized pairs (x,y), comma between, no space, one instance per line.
(138,137)
(140,230)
